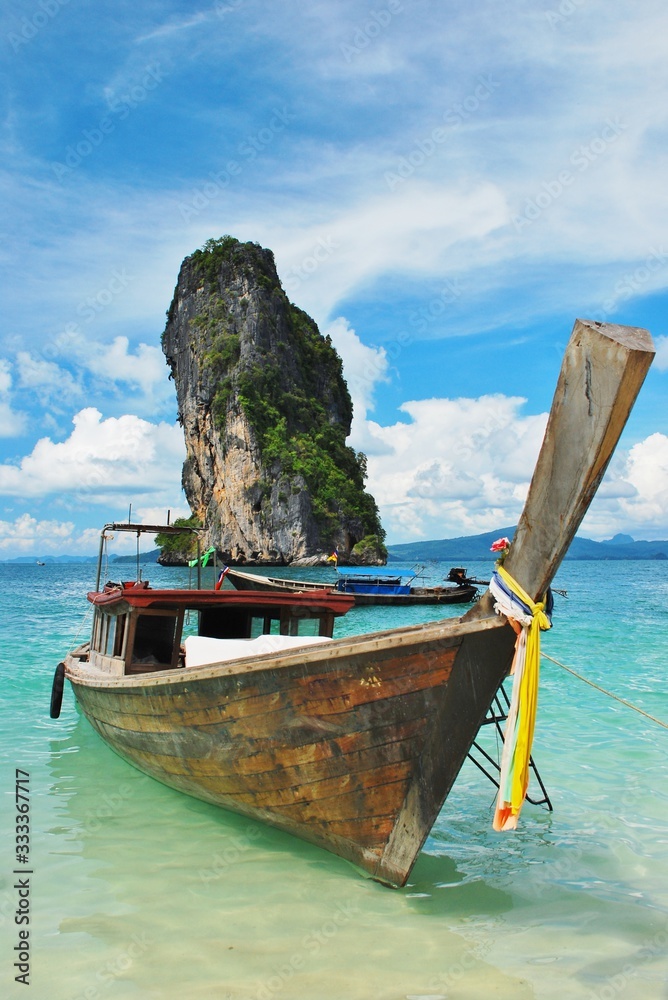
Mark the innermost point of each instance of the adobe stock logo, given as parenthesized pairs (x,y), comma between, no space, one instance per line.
(250,148)
(377,22)
(581,159)
(298,273)
(453,117)
(92,305)
(565,10)
(31,26)
(120,106)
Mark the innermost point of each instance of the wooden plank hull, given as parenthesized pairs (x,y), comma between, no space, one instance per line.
(354,750)
(355,745)
(255,581)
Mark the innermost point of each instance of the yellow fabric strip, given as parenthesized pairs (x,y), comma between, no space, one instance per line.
(516,780)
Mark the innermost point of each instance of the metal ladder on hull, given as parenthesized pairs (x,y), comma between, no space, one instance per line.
(498,714)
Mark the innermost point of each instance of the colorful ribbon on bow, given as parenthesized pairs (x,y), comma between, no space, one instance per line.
(528,619)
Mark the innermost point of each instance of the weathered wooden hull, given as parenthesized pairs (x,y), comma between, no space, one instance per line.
(354,749)
(255,581)
(355,745)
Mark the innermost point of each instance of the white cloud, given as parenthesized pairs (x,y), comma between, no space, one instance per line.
(100,460)
(143,371)
(146,369)
(421,229)
(11,423)
(5,377)
(459,466)
(661,359)
(647,471)
(144,514)
(174,27)
(463,466)
(508,148)
(29,535)
(363,369)
(26,534)
(44,376)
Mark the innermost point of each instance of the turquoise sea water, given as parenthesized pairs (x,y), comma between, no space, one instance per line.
(139,891)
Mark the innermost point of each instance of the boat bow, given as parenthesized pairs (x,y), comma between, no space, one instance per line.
(355,744)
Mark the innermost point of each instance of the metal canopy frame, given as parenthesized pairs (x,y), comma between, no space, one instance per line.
(147,529)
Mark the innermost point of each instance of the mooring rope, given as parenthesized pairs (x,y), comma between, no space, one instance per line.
(84,620)
(598,687)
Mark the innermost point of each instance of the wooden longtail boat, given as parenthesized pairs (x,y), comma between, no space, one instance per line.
(352,744)
(242,580)
(366,587)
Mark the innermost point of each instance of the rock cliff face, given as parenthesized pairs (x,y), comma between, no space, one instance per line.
(265,411)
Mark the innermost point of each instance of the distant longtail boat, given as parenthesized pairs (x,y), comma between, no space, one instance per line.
(366,585)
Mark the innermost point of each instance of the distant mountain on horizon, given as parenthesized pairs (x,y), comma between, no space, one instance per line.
(145,557)
(48,560)
(473,547)
(460,549)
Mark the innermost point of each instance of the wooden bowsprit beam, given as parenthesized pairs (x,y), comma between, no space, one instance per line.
(602,372)
(603,369)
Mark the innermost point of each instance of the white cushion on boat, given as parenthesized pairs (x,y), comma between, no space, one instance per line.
(202,650)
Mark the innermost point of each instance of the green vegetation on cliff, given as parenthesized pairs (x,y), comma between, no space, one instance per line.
(370,550)
(290,385)
(179,548)
(249,259)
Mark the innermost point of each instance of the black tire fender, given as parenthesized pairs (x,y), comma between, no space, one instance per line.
(57,691)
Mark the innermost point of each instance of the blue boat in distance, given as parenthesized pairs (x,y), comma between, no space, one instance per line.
(361,580)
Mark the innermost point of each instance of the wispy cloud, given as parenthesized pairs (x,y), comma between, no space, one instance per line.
(175,26)
(12,423)
(430,174)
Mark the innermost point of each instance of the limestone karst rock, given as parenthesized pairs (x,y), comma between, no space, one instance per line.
(265,412)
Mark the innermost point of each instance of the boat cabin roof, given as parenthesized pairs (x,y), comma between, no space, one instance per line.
(138,630)
(123,596)
(388,570)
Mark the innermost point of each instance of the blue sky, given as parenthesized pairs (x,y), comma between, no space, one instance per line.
(445,187)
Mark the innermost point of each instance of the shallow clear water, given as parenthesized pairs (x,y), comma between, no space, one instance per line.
(139,891)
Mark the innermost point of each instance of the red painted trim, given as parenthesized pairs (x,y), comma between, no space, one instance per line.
(143,597)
